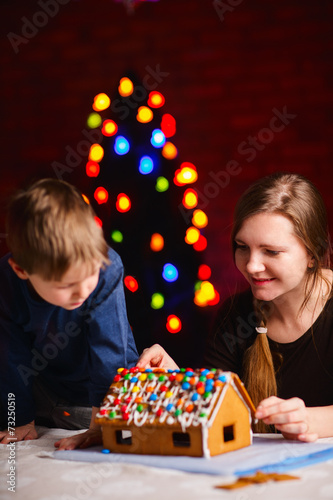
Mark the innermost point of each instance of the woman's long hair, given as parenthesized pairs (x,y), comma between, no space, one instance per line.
(296,198)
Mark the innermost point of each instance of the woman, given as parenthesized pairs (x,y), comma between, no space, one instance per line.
(278,335)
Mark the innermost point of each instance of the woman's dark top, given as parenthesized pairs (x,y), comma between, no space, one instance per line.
(306,369)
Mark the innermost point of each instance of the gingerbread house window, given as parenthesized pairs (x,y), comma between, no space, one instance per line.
(124,437)
(228,433)
(181,439)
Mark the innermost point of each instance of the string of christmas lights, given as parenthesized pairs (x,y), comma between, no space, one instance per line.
(138,180)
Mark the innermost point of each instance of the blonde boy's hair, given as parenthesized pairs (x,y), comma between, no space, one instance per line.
(50,227)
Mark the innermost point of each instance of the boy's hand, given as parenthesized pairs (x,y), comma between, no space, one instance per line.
(156,357)
(83,440)
(22,433)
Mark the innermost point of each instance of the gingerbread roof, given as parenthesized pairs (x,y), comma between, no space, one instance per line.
(186,397)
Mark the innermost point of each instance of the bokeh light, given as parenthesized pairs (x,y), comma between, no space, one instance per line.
(125,87)
(173,324)
(101,195)
(96,153)
(94,120)
(101,102)
(131,283)
(146,165)
(121,145)
(109,128)
(123,203)
(156,242)
(156,99)
(157,301)
(157,138)
(92,169)
(170,273)
(162,184)
(190,198)
(169,151)
(144,114)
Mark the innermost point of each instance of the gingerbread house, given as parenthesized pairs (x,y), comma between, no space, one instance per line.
(184,412)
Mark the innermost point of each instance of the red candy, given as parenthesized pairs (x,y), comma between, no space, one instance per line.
(116,401)
(117,378)
(125,416)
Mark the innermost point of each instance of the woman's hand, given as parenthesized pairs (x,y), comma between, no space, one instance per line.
(82,440)
(156,357)
(290,416)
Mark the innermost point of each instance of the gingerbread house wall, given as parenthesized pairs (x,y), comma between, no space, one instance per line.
(231,427)
(153,439)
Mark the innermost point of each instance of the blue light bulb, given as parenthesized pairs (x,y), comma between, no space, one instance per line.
(157,138)
(146,165)
(170,272)
(121,145)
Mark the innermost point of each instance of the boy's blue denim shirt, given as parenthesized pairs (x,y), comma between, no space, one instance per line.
(76,353)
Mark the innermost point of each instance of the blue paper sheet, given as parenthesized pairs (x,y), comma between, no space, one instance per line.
(266,454)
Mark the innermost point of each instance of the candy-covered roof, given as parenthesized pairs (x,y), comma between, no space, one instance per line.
(186,397)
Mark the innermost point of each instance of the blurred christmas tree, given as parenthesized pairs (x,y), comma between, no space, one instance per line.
(145,200)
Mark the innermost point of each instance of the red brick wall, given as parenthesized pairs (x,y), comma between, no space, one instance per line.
(232,66)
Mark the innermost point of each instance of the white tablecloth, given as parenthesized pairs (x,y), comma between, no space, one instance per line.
(40,478)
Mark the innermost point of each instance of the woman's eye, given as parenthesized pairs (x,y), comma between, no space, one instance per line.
(272,252)
(240,247)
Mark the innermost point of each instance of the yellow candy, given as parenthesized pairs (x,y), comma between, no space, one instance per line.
(168,394)
(143,377)
(135,389)
(120,370)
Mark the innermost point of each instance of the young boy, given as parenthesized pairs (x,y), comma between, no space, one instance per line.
(63,323)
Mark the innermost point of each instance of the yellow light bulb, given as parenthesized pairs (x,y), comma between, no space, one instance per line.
(199,218)
(125,87)
(96,153)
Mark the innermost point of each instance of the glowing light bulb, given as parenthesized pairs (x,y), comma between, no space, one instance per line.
(186,174)
(157,138)
(109,128)
(157,301)
(117,236)
(206,295)
(201,244)
(156,242)
(125,87)
(170,273)
(215,300)
(98,221)
(101,102)
(121,145)
(199,218)
(146,165)
(101,195)
(131,283)
(169,151)
(168,125)
(173,325)
(156,99)
(94,120)
(162,184)
(92,169)
(190,198)
(204,272)
(96,153)
(144,114)
(123,203)
(192,235)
